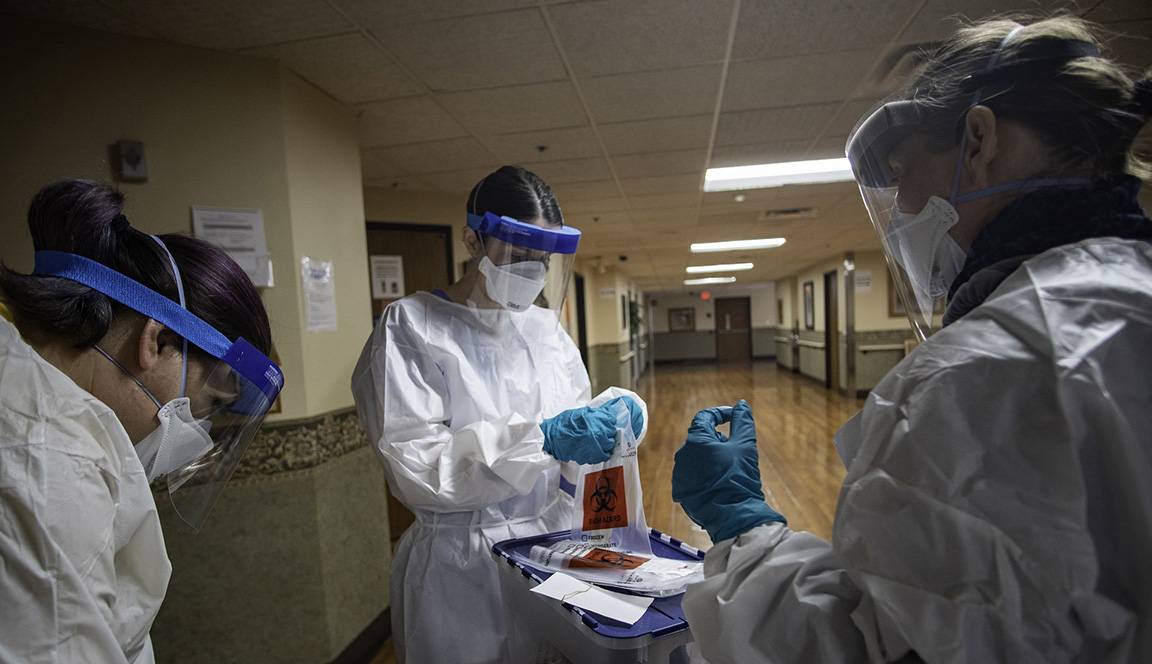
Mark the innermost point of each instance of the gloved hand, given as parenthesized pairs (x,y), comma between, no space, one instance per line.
(634,409)
(716,479)
(588,434)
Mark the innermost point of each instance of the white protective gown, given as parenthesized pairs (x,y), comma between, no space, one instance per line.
(998,502)
(84,566)
(452,399)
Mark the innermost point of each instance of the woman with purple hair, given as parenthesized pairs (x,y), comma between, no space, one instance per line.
(125,359)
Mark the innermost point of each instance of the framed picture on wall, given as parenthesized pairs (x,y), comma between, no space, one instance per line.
(780,311)
(682,320)
(896,305)
(809,305)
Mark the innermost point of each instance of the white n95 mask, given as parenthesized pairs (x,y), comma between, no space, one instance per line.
(178,441)
(514,286)
(922,246)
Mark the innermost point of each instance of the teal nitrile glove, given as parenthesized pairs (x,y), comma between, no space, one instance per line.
(584,435)
(716,479)
(634,410)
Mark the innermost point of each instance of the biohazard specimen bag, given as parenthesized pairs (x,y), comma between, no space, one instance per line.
(609,505)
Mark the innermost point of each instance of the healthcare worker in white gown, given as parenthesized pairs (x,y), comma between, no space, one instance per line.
(998,499)
(473,396)
(97,399)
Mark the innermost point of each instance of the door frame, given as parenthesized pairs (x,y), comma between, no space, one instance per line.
(581,318)
(748,301)
(449,246)
(831,331)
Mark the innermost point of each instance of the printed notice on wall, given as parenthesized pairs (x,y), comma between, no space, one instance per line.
(240,233)
(863,282)
(319,294)
(387,277)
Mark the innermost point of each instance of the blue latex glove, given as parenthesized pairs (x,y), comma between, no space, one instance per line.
(588,434)
(717,479)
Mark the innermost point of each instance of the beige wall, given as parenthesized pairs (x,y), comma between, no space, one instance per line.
(219,130)
(606,325)
(762,299)
(872,306)
(327,223)
(421,207)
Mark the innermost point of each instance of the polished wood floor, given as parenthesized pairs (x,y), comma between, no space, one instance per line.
(795,420)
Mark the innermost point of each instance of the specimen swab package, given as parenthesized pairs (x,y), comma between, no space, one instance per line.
(608,507)
(646,575)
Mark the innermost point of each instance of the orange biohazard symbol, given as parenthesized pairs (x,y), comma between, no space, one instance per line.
(605,499)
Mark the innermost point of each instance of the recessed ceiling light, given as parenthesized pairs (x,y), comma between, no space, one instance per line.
(727,267)
(737,245)
(709,280)
(759,176)
(739,198)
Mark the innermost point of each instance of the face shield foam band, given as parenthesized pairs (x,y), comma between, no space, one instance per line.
(242,356)
(562,240)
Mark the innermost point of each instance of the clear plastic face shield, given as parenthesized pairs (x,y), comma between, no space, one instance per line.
(522,265)
(226,389)
(922,257)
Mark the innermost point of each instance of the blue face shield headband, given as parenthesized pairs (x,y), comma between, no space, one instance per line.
(232,396)
(561,240)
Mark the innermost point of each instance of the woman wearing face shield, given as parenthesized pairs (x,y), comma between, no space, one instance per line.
(475,399)
(997,505)
(116,360)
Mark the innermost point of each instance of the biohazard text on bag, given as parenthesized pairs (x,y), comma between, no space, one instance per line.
(609,505)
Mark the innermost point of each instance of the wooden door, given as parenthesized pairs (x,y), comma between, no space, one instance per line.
(734,329)
(831,332)
(427,256)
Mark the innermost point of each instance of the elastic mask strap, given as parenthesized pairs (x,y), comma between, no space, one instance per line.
(953,198)
(1022,184)
(180,294)
(125,371)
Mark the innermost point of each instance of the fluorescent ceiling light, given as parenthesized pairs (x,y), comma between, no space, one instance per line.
(737,245)
(759,176)
(709,280)
(728,267)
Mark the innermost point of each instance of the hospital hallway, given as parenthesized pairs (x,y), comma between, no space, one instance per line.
(796,418)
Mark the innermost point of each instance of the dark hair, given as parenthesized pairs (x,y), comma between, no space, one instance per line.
(512,191)
(86,218)
(1088,110)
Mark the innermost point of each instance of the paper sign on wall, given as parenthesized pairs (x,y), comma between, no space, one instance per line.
(863,282)
(608,293)
(319,294)
(240,233)
(387,277)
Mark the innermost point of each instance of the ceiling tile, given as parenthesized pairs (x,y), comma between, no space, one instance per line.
(595,205)
(377,14)
(408,120)
(485,51)
(1111,11)
(774,124)
(852,112)
(571,170)
(575,191)
(781,28)
(939,19)
(456,181)
(439,156)
(662,135)
(656,201)
(348,67)
(401,183)
(612,37)
(1132,45)
(226,24)
(807,79)
(659,163)
(759,153)
(640,96)
(375,166)
(661,185)
(84,13)
(567,143)
(517,109)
